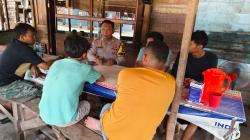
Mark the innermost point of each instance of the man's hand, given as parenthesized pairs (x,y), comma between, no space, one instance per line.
(109,62)
(35,71)
(187,81)
(98,61)
(101,79)
(184,93)
(43,66)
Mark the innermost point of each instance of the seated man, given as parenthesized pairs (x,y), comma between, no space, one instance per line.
(153,36)
(19,51)
(198,61)
(143,97)
(64,83)
(104,50)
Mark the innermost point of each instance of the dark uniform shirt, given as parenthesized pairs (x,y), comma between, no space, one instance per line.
(195,66)
(15,54)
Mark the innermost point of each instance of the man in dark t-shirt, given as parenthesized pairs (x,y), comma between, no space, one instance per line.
(17,53)
(198,61)
(195,66)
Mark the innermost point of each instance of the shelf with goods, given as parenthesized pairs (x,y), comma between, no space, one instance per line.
(24,12)
(87,19)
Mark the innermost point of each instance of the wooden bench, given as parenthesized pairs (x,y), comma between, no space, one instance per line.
(26,118)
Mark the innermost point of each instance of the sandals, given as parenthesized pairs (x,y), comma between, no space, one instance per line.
(5,120)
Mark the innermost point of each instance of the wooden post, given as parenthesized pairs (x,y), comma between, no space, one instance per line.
(139,22)
(1,15)
(146,21)
(188,29)
(91,22)
(17,113)
(33,13)
(7,15)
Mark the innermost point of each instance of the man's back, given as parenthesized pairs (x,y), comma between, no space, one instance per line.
(143,97)
(62,88)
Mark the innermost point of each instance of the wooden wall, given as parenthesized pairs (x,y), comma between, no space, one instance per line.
(228,27)
(168,17)
(11,7)
(6,37)
(225,21)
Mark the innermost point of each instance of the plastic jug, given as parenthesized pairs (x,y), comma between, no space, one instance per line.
(214,83)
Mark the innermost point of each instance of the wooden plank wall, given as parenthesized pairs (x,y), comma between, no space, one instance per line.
(6,37)
(168,18)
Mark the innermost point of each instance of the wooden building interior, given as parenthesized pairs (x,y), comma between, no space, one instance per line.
(225,21)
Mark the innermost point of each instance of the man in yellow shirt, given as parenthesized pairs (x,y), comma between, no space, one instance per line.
(143,97)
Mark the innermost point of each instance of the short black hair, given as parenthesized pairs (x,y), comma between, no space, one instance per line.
(75,46)
(74,32)
(22,29)
(109,22)
(200,38)
(155,36)
(159,49)
(82,33)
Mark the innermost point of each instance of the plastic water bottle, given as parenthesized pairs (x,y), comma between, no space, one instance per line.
(39,49)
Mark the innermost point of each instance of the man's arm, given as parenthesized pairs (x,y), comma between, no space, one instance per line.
(139,57)
(109,62)
(175,66)
(91,55)
(2,48)
(101,79)
(94,76)
(44,65)
(169,60)
(120,59)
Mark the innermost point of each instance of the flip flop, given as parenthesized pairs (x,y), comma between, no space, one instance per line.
(5,120)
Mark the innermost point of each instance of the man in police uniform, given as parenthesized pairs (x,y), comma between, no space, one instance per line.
(106,50)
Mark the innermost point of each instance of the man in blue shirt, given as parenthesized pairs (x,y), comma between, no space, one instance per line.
(64,83)
(150,37)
